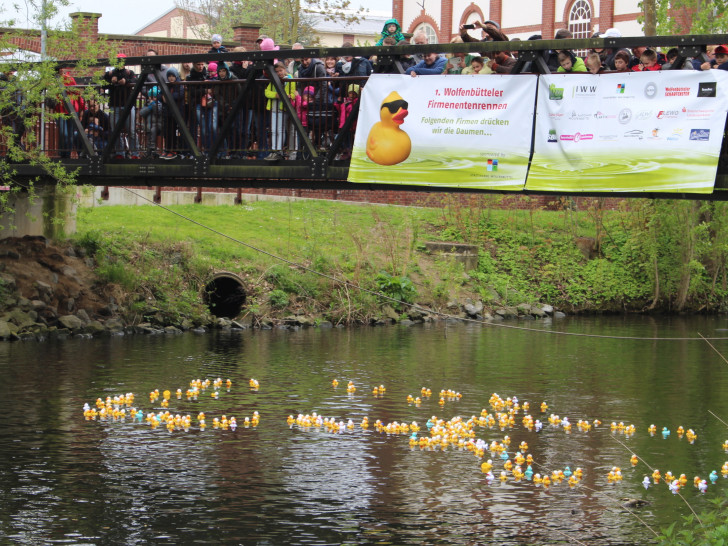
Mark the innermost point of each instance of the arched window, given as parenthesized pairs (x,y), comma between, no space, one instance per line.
(580,16)
(429,32)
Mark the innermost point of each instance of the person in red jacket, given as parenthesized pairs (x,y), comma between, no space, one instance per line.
(67,134)
(648,62)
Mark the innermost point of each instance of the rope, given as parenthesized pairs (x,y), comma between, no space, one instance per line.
(414,306)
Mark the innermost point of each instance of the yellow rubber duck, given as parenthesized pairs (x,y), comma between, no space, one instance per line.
(387,144)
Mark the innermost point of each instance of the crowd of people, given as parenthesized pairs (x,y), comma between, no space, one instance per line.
(323,94)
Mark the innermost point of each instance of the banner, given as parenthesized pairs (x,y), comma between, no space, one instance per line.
(449,131)
(638,131)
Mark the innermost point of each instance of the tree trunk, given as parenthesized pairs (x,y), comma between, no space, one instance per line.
(650,13)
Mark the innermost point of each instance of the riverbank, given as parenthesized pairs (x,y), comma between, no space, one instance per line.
(319,263)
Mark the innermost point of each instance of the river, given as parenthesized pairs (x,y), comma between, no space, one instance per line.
(65,479)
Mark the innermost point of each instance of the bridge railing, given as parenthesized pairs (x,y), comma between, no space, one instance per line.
(225,129)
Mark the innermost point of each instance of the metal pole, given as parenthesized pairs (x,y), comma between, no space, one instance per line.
(43,43)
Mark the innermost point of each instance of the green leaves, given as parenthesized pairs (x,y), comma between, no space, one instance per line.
(400,289)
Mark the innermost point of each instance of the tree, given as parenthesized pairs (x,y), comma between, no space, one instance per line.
(30,83)
(286,21)
(685,16)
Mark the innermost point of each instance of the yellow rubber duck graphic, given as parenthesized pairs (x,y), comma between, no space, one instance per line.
(387,144)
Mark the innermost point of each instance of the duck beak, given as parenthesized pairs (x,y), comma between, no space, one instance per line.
(398,118)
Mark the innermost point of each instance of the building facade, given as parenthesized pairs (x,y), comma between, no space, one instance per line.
(441,19)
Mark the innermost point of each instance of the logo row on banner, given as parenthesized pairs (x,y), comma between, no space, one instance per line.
(637,131)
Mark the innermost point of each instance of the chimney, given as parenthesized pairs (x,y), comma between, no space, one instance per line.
(246,34)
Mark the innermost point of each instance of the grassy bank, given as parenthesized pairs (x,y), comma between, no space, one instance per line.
(666,256)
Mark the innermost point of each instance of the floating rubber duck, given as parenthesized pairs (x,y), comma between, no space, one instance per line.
(537,479)
(567,472)
(665,432)
(713,477)
(652,429)
(703,486)
(680,431)
(387,144)
(634,460)
(254,384)
(528,473)
(335,383)
(486,466)
(544,407)
(656,476)
(674,487)
(646,482)
(228,385)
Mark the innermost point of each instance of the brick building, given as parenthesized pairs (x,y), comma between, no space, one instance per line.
(440,20)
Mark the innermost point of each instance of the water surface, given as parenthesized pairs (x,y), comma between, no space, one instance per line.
(67,480)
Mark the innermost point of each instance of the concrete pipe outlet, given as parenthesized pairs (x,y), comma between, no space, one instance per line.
(225,295)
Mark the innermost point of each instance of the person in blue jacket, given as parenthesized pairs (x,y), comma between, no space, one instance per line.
(432,64)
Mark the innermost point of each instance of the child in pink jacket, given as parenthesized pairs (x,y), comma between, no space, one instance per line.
(345,108)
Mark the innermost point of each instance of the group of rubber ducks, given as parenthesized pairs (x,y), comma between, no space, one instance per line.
(439,434)
(690,434)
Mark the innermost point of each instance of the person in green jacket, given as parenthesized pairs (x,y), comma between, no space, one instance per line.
(570,62)
(391,28)
(277,110)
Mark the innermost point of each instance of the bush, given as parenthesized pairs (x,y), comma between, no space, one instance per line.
(398,288)
(278,298)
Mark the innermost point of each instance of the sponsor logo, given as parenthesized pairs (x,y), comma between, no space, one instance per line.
(635,133)
(700,134)
(492,165)
(625,116)
(644,115)
(577,137)
(707,89)
(651,90)
(677,133)
(655,134)
(703,113)
(668,114)
(555,93)
(584,91)
(620,88)
(575,116)
(608,137)
(556,115)
(602,115)
(677,91)
(552,136)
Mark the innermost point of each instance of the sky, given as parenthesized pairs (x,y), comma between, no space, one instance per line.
(129,16)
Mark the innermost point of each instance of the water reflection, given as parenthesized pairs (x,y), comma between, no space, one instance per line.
(67,480)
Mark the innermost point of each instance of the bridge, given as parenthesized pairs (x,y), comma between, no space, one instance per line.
(218,133)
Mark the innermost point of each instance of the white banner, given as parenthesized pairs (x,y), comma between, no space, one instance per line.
(637,131)
(451,131)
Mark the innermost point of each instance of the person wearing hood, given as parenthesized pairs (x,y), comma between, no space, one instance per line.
(119,82)
(570,62)
(350,66)
(217,46)
(391,28)
(171,140)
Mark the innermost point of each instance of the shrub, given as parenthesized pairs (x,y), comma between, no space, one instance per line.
(278,298)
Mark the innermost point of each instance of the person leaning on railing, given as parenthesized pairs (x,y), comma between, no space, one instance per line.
(120,82)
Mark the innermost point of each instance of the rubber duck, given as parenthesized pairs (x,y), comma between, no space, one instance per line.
(228,385)
(724,469)
(633,460)
(537,479)
(546,481)
(335,383)
(578,472)
(387,143)
(690,435)
(254,384)
(489,477)
(680,431)
(503,476)
(179,394)
(652,429)
(683,479)
(703,486)
(646,482)
(656,476)
(567,472)
(544,407)
(665,432)
(528,473)
(537,425)
(713,477)
(674,487)
(233,423)
(573,481)
(350,387)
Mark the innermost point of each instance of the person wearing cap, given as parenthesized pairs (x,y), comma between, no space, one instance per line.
(217,46)
(721,57)
(259,40)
